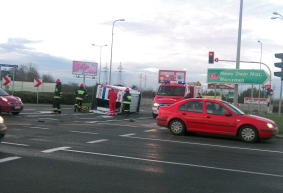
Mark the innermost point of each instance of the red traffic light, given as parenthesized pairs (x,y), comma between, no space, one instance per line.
(216,60)
(211,57)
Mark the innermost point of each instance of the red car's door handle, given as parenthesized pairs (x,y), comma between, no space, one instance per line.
(183,113)
(208,117)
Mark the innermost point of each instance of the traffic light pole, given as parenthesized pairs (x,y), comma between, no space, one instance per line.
(279,110)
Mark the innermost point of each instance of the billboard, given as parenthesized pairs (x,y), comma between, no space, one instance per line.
(171,75)
(86,68)
(221,86)
(256,100)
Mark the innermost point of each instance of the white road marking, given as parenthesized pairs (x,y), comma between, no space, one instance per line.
(204,144)
(90,121)
(97,141)
(117,125)
(107,116)
(9,159)
(38,128)
(18,144)
(84,132)
(127,135)
(30,109)
(55,149)
(49,119)
(176,163)
(150,130)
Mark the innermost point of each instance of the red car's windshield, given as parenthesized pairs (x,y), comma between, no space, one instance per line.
(3,93)
(171,90)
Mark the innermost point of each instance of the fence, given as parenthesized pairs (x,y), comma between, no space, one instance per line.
(29,86)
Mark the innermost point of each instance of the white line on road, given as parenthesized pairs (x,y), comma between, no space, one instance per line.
(204,144)
(15,144)
(84,132)
(30,109)
(177,163)
(49,119)
(97,141)
(150,130)
(9,159)
(55,149)
(127,135)
(117,125)
(38,128)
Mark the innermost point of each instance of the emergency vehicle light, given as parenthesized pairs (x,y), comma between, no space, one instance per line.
(181,82)
(166,82)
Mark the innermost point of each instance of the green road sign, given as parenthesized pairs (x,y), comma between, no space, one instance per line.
(236,76)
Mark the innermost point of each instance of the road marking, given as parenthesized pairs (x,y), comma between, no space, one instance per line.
(38,128)
(204,144)
(84,132)
(127,135)
(97,141)
(150,130)
(30,109)
(9,159)
(18,144)
(89,121)
(55,149)
(175,163)
(117,125)
(49,119)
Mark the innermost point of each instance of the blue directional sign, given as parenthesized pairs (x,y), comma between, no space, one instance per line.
(9,65)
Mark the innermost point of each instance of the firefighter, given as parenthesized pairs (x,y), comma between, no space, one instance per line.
(112,96)
(80,95)
(58,94)
(127,101)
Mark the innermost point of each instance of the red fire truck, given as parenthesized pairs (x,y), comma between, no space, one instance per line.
(171,92)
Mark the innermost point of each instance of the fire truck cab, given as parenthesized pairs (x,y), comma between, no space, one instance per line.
(171,92)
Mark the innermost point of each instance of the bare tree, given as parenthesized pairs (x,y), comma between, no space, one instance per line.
(32,72)
(47,78)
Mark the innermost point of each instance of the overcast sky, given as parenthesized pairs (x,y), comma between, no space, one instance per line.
(156,34)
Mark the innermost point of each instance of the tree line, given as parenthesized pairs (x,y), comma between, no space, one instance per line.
(29,72)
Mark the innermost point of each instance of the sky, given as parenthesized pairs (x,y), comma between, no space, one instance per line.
(156,35)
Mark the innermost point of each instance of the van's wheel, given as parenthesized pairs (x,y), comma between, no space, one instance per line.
(15,113)
(177,127)
(154,115)
(248,134)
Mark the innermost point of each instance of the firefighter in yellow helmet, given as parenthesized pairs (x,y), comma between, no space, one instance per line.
(127,98)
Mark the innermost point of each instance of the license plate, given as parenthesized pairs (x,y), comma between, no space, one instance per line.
(17,107)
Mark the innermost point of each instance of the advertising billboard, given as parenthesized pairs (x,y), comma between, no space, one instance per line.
(221,86)
(256,100)
(86,68)
(171,75)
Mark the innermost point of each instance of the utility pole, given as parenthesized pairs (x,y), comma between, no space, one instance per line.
(120,80)
(145,79)
(140,76)
(105,77)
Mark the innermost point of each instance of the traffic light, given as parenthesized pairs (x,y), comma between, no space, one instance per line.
(279,65)
(211,57)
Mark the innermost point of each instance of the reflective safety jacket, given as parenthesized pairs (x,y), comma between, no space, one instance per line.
(58,91)
(127,98)
(81,93)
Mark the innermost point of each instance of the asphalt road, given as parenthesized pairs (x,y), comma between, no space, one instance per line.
(92,152)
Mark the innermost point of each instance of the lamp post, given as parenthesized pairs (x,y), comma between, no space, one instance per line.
(112,48)
(279,110)
(100,60)
(260,69)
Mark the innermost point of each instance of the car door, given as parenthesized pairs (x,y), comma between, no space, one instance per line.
(217,121)
(192,113)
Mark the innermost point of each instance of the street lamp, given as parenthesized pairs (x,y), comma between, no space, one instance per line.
(111,49)
(280,16)
(260,69)
(100,60)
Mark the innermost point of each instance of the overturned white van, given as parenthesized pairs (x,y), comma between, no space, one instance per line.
(102,101)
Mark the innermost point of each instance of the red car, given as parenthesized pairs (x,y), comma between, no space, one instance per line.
(10,104)
(214,117)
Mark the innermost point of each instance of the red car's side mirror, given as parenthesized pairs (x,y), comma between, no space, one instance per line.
(227,114)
